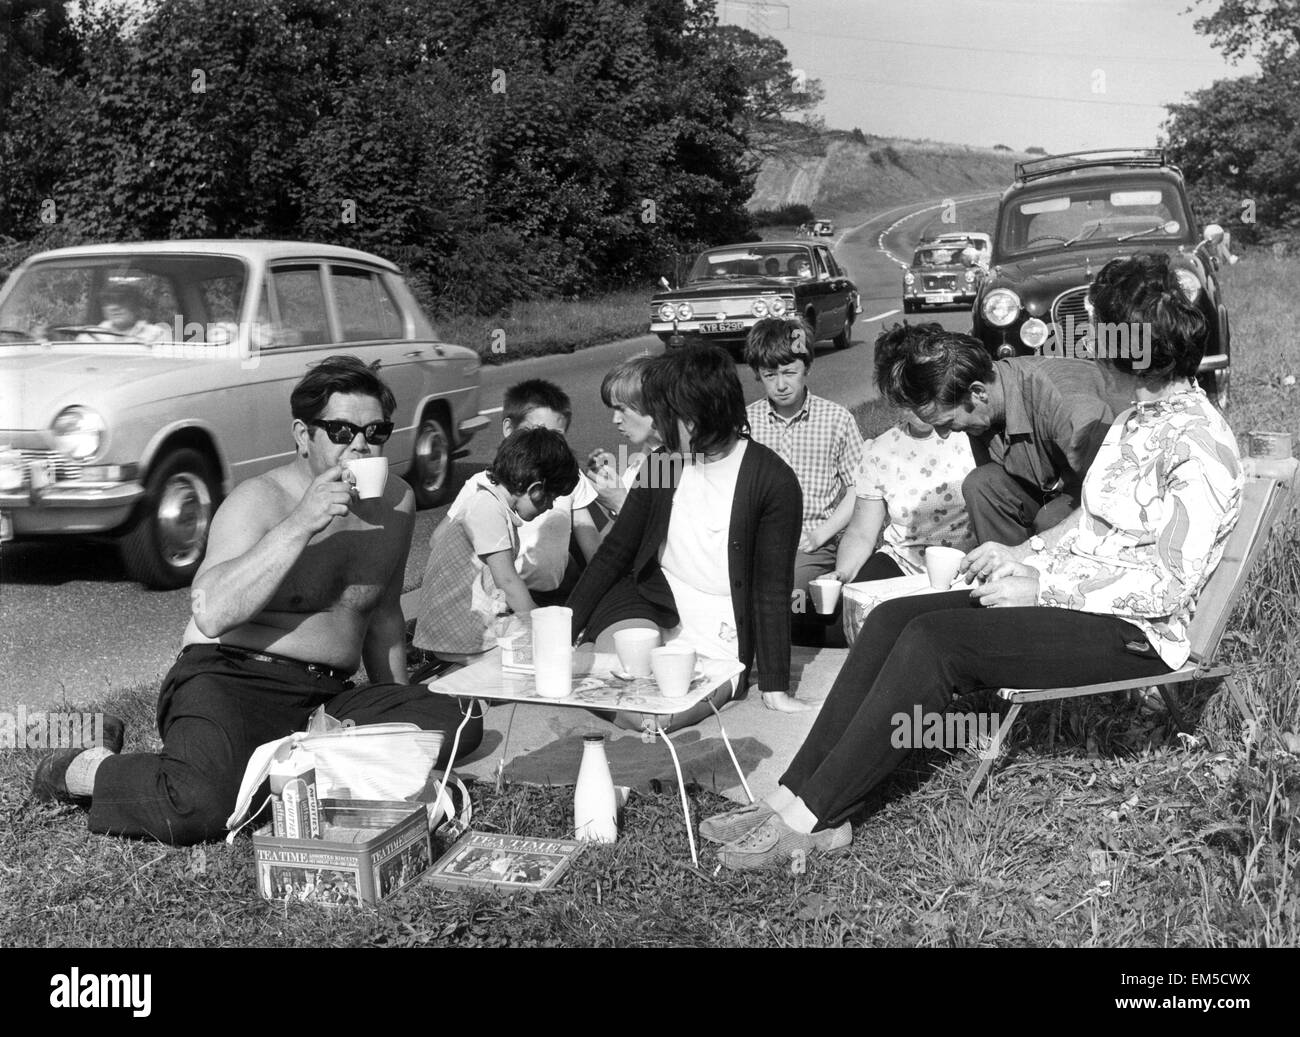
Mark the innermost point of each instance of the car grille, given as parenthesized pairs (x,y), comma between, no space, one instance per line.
(60,468)
(940,282)
(1071,303)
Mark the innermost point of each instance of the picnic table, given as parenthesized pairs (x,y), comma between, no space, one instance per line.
(597,686)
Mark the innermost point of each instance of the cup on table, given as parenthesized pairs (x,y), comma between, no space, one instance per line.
(825,592)
(371,473)
(553,651)
(673,669)
(633,648)
(941,566)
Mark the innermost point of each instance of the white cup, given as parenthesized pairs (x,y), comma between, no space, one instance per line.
(553,651)
(941,566)
(633,648)
(673,668)
(825,591)
(371,473)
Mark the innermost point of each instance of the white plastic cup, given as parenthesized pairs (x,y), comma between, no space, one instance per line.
(673,669)
(633,648)
(941,566)
(825,592)
(371,474)
(553,651)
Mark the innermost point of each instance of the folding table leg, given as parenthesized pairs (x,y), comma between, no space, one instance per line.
(730,752)
(993,751)
(505,742)
(681,789)
(1171,704)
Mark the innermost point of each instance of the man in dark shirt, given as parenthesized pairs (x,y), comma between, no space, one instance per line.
(1035,424)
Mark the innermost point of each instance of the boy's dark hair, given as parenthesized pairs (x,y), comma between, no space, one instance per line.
(776,341)
(700,386)
(938,368)
(622,385)
(1144,290)
(528,395)
(339,374)
(530,455)
(894,343)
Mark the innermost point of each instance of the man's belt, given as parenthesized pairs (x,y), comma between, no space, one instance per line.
(248,655)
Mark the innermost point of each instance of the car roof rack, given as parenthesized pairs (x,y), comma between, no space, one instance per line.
(1033,169)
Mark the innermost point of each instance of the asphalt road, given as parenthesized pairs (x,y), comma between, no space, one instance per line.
(74,628)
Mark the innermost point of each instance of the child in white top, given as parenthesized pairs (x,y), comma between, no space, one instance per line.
(471,587)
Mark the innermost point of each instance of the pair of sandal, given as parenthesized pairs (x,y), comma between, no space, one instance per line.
(755,836)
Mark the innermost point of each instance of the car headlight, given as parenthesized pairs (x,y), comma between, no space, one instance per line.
(1000,307)
(667,311)
(80,431)
(1033,333)
(909,278)
(684,311)
(758,308)
(1189,283)
(776,307)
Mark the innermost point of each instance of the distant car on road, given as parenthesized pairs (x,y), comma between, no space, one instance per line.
(944,271)
(138,430)
(732,287)
(1062,220)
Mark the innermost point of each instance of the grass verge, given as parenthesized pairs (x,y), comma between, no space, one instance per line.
(1104,828)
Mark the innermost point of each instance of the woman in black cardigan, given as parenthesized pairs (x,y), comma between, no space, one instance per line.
(698,408)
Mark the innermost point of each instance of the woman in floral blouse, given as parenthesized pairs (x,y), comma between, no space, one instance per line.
(1106,595)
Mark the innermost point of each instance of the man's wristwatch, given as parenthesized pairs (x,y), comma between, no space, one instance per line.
(1037,544)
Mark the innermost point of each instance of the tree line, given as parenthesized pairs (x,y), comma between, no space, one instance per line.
(496,150)
(1238,140)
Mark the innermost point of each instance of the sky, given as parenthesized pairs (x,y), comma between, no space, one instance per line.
(1060,74)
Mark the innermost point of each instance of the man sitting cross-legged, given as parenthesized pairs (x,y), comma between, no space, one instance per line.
(302,581)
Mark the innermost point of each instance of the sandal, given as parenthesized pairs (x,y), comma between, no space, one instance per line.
(731,825)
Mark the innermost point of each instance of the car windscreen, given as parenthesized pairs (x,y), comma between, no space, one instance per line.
(1068,217)
(943,256)
(126,298)
(752,261)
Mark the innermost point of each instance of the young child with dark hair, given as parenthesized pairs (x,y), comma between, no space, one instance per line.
(815,437)
(546,560)
(472,592)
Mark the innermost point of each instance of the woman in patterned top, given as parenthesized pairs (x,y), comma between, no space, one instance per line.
(1106,595)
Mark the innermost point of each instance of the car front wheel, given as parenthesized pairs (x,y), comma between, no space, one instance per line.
(431,467)
(164,544)
(842,340)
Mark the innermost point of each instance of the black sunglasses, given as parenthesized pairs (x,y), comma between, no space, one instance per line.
(344,432)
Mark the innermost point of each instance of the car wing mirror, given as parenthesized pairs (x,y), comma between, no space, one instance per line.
(663,283)
(1213,233)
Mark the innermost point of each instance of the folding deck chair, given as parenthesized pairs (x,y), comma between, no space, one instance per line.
(1263,502)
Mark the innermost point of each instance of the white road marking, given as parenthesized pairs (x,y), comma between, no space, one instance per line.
(879,316)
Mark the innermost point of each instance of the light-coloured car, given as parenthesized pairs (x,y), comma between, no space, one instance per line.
(139,383)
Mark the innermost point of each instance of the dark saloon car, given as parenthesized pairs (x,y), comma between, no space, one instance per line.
(732,287)
(943,273)
(1067,216)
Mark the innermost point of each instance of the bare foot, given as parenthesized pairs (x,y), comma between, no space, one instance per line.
(783,703)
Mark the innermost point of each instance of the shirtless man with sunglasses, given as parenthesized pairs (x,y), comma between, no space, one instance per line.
(302,581)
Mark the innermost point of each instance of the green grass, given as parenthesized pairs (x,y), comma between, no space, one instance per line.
(1103,829)
(544,327)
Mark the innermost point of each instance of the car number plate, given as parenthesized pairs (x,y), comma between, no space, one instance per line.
(939,297)
(6,527)
(722,327)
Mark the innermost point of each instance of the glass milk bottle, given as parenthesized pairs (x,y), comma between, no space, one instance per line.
(595,806)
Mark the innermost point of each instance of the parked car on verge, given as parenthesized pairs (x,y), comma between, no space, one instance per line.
(1062,220)
(138,430)
(942,273)
(732,287)
(823,228)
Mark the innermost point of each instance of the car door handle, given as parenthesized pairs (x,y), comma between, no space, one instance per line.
(413,354)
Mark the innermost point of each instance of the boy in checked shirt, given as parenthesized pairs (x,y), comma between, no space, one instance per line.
(815,437)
